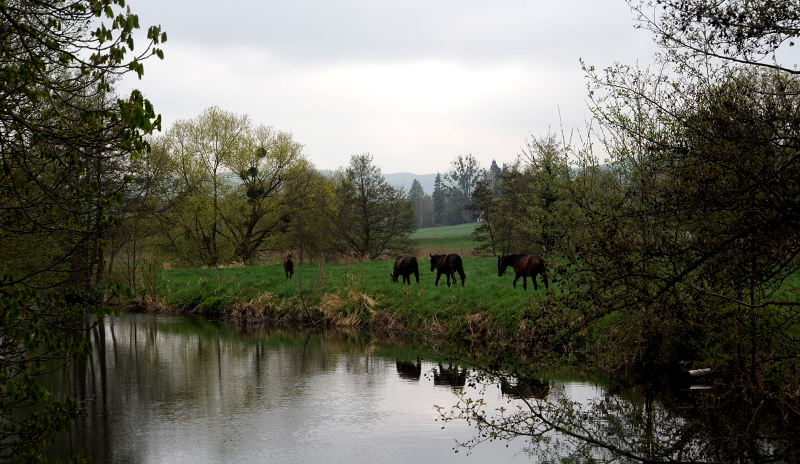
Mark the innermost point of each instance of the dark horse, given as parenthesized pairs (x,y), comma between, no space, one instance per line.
(448,265)
(288,266)
(524,266)
(405,267)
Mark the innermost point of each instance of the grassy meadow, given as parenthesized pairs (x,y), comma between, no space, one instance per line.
(444,240)
(355,294)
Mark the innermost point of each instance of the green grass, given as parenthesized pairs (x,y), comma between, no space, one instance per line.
(485,292)
(263,290)
(460,230)
(445,239)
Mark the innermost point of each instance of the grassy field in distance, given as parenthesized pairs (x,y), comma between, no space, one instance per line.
(445,239)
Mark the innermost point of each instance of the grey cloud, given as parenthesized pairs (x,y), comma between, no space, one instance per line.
(474,31)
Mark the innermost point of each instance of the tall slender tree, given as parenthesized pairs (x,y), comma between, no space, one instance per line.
(439,200)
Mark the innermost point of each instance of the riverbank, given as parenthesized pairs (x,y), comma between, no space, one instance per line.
(353,295)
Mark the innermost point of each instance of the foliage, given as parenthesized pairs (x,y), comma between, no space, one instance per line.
(439,198)
(65,143)
(546,160)
(423,205)
(268,169)
(310,211)
(681,245)
(530,212)
(629,424)
(373,217)
(696,221)
(737,31)
(201,152)
(485,205)
(224,196)
(462,177)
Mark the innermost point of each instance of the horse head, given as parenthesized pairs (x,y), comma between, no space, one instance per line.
(435,261)
(501,265)
(394,277)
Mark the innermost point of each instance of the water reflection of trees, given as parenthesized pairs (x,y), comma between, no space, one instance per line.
(156,368)
(632,423)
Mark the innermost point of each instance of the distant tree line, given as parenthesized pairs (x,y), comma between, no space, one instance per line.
(520,207)
(450,201)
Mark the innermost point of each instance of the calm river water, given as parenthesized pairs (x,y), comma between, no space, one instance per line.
(177,389)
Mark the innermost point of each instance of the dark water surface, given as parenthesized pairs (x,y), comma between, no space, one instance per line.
(177,389)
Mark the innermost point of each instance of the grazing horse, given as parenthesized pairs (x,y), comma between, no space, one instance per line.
(524,266)
(288,266)
(448,265)
(405,267)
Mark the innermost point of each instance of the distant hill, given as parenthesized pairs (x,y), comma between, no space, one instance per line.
(404,179)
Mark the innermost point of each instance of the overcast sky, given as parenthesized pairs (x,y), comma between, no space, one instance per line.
(413,82)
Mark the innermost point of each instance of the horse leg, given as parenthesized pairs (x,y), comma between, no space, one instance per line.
(448,279)
(516,278)
(524,282)
(416,274)
(438,274)
(535,285)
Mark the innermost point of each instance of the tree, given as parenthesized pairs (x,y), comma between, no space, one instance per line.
(514,226)
(192,227)
(439,200)
(373,217)
(59,121)
(485,206)
(530,213)
(423,205)
(549,168)
(462,177)
(686,239)
(132,250)
(309,220)
(496,174)
(266,166)
(693,209)
(737,31)
(686,246)
(228,191)
(213,140)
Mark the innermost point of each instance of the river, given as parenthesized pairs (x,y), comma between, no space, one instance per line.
(180,389)
(160,388)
